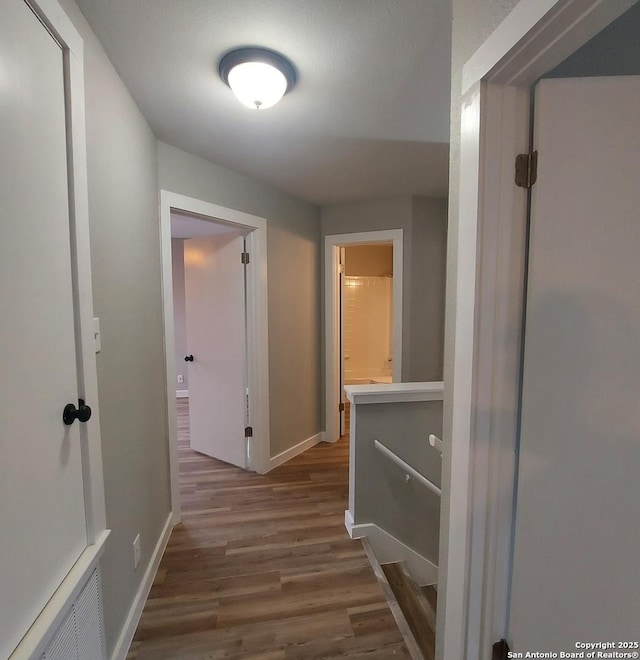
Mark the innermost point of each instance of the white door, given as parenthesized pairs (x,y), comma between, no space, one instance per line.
(577,531)
(42,512)
(216,338)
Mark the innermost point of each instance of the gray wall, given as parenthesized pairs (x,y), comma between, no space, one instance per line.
(381,496)
(428,269)
(179,311)
(473,22)
(377,215)
(293,253)
(424,224)
(612,52)
(124,231)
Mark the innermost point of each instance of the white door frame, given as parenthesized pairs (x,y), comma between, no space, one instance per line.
(478,458)
(257,328)
(56,21)
(332,246)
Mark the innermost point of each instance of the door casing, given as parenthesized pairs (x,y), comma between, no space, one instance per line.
(257,327)
(333,364)
(476,521)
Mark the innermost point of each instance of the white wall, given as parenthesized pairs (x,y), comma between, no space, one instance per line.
(293,254)
(179,311)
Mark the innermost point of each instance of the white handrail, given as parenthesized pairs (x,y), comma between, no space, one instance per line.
(407,468)
(435,442)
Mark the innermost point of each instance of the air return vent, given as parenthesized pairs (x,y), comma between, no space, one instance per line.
(81,634)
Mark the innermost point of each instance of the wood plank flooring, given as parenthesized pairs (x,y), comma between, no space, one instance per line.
(261,567)
(418,610)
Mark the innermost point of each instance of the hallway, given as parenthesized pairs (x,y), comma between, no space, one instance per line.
(261,567)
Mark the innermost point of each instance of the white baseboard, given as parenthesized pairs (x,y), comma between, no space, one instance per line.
(126,636)
(348,523)
(182,394)
(388,548)
(288,454)
(326,439)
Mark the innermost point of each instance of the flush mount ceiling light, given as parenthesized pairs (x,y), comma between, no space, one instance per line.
(257,76)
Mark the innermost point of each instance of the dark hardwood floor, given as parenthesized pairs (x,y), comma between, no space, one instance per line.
(261,567)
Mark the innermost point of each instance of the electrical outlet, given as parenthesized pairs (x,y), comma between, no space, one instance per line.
(136,551)
(180,378)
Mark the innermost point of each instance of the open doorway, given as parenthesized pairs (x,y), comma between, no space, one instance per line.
(363,316)
(210,336)
(366,318)
(221,254)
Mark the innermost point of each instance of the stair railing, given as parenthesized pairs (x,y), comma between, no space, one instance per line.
(410,471)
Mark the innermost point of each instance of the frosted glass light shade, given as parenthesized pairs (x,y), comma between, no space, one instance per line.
(257,85)
(258,77)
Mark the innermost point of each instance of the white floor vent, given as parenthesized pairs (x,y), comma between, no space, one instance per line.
(81,634)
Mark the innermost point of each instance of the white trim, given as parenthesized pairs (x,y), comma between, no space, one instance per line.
(290,453)
(58,23)
(332,244)
(387,548)
(348,523)
(135,612)
(478,460)
(46,625)
(182,394)
(257,330)
(395,392)
(537,36)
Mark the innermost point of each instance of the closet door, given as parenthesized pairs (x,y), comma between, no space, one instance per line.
(42,506)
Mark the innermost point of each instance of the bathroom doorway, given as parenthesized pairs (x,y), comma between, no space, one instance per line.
(363,316)
(366,317)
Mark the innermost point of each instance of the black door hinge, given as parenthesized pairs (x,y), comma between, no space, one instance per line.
(248,432)
(500,650)
(526,169)
(244,258)
(341,407)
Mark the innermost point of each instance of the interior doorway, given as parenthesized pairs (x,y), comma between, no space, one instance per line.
(366,318)
(363,316)
(209,293)
(227,379)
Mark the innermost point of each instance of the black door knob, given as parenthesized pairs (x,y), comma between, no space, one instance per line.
(188,358)
(71,413)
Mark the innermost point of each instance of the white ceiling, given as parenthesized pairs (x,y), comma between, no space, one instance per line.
(369,116)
